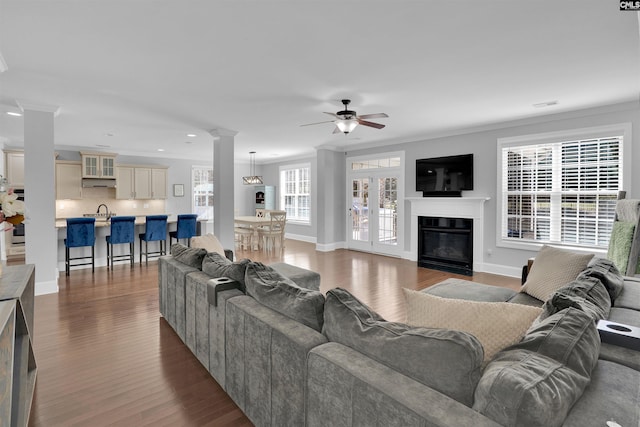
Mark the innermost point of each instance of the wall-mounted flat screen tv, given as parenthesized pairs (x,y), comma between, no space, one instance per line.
(444,176)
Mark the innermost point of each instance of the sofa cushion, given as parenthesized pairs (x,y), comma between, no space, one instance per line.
(524,388)
(448,361)
(280,294)
(585,293)
(216,265)
(625,315)
(525,299)
(612,395)
(607,273)
(569,337)
(629,297)
(209,242)
(189,256)
(495,324)
(300,276)
(552,269)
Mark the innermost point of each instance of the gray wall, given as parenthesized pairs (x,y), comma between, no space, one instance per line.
(484,147)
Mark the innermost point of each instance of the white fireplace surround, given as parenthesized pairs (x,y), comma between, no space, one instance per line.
(451,207)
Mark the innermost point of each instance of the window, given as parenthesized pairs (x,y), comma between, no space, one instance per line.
(295,197)
(202,184)
(560,189)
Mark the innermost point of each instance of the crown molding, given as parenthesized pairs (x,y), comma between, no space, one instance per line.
(43,108)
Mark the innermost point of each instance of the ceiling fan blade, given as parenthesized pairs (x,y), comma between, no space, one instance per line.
(333,114)
(373,116)
(318,123)
(370,124)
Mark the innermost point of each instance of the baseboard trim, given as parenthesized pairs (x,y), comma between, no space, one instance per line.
(502,270)
(300,237)
(328,247)
(49,287)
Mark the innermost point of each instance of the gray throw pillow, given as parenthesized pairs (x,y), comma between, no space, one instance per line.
(280,294)
(569,337)
(189,256)
(216,265)
(587,294)
(608,273)
(448,361)
(524,388)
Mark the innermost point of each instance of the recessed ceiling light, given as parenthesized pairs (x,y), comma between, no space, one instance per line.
(191,135)
(11,113)
(545,104)
(103,145)
(188,142)
(108,134)
(160,149)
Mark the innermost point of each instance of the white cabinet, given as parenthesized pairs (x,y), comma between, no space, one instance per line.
(15,168)
(68,180)
(136,182)
(98,165)
(159,183)
(125,182)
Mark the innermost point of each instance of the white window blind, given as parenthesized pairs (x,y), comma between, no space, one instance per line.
(295,197)
(202,184)
(561,192)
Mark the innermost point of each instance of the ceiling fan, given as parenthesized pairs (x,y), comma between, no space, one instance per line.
(347,120)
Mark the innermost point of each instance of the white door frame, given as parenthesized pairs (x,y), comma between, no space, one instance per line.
(374,173)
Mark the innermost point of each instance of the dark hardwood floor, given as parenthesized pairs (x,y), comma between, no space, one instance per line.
(106,357)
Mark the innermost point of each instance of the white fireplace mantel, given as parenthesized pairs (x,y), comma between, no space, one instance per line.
(451,207)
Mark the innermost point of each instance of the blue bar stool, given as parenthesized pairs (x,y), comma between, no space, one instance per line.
(155,230)
(81,232)
(123,230)
(186,228)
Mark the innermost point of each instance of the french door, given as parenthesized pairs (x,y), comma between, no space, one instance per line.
(375,194)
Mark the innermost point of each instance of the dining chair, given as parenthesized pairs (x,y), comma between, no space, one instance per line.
(273,233)
(155,230)
(81,232)
(123,230)
(186,228)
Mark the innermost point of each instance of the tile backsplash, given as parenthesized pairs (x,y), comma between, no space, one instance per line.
(92,197)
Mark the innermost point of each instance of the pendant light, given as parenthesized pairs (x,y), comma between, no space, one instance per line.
(252,179)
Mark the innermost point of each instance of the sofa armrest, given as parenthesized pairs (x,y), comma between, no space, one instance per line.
(229,254)
(344,385)
(526,269)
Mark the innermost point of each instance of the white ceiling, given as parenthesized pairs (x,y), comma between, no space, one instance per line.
(150,72)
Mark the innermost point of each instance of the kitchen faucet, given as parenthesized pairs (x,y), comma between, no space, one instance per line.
(106,208)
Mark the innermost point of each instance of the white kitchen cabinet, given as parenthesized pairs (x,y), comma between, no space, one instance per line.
(138,182)
(159,183)
(15,168)
(125,182)
(98,165)
(68,180)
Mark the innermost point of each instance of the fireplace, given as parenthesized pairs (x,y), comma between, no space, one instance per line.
(446,244)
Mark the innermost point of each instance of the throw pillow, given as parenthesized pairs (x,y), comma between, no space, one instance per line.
(587,294)
(445,360)
(606,271)
(280,294)
(552,269)
(216,265)
(189,256)
(495,324)
(209,242)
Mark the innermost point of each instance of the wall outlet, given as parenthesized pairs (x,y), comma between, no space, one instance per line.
(489,252)
(146,206)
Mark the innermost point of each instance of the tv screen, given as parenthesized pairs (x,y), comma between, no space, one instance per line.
(444,176)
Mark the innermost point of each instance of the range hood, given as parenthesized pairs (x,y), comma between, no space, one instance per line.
(98,183)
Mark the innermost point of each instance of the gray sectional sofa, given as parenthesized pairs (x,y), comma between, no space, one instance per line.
(289,356)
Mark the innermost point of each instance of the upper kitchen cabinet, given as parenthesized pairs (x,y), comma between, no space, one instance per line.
(15,168)
(98,165)
(141,182)
(68,180)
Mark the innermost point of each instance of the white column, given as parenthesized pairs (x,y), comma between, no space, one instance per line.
(39,186)
(330,209)
(223,185)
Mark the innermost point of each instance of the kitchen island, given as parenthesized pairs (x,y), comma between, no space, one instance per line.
(103,227)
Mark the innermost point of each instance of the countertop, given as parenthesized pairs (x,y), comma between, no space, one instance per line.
(104,222)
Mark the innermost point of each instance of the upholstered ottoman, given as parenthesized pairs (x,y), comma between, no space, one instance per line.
(473,291)
(304,278)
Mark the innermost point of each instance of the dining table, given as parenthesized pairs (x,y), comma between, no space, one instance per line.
(254,222)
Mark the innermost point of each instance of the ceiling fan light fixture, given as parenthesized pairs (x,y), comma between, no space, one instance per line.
(252,179)
(346,126)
